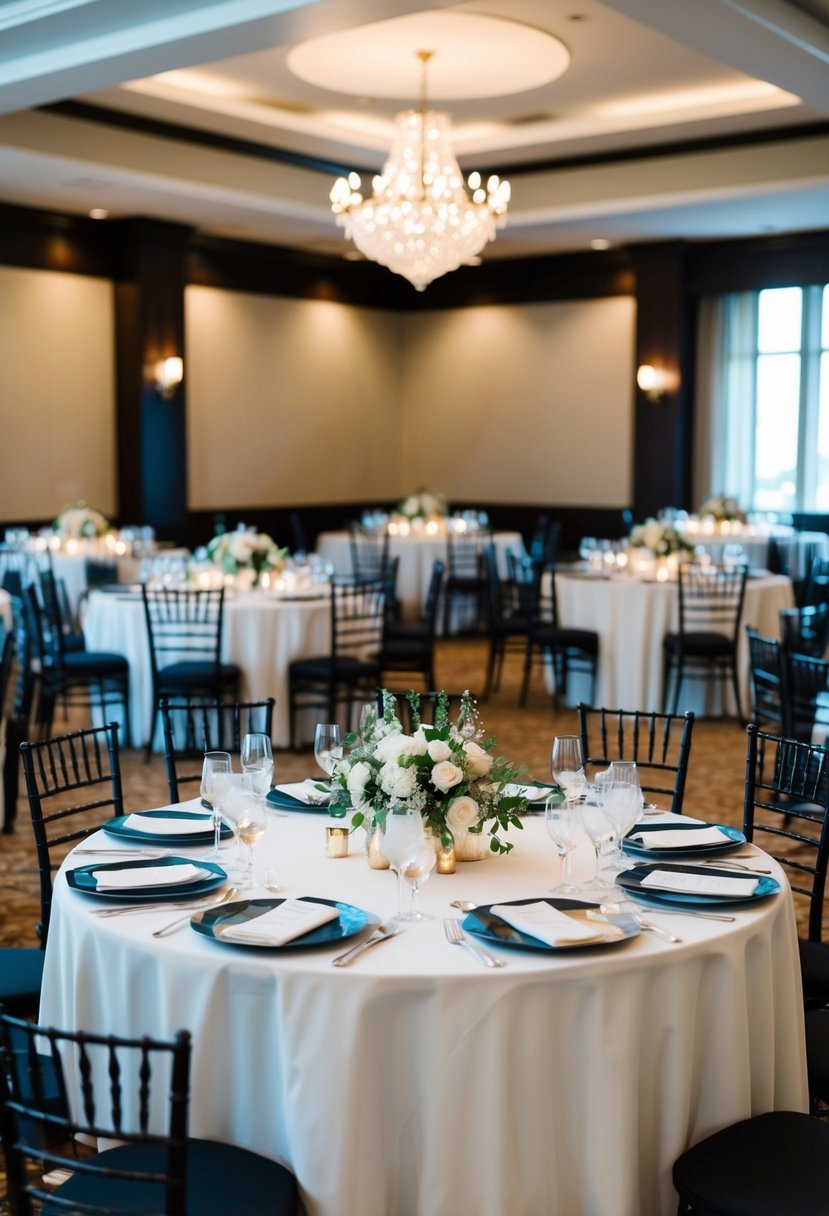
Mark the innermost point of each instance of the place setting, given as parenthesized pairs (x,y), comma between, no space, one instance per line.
(312,796)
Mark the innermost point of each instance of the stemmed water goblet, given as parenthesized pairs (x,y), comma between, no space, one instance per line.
(247,813)
(622,802)
(215,766)
(567,766)
(600,829)
(566,829)
(328,748)
(402,832)
(417,872)
(257,764)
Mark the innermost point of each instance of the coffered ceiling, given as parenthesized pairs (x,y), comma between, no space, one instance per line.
(622,121)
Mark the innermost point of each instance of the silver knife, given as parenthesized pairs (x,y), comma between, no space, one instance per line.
(380,934)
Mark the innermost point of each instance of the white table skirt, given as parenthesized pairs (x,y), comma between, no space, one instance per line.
(632,617)
(417,554)
(261,633)
(418,1083)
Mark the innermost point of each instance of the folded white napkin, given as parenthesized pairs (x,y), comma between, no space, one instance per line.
(293,918)
(547,923)
(676,838)
(533,793)
(700,884)
(305,791)
(148,876)
(158,825)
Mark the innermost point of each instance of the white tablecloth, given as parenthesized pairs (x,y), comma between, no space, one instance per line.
(71,569)
(419,1083)
(262,634)
(418,554)
(632,617)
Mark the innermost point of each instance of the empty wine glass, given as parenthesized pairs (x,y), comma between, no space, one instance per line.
(417,872)
(567,766)
(622,802)
(600,829)
(626,772)
(402,837)
(247,812)
(566,828)
(257,764)
(328,748)
(214,766)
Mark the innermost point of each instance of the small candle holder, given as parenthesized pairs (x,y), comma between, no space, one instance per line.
(336,841)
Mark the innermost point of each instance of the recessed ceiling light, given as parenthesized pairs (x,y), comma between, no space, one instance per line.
(600,243)
(99,213)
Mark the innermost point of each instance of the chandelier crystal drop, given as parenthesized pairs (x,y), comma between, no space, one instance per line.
(420,222)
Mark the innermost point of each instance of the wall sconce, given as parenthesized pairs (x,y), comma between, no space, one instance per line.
(655,382)
(168,375)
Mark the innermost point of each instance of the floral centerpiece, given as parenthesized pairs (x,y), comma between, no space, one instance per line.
(662,539)
(723,509)
(424,504)
(246,549)
(445,770)
(80,522)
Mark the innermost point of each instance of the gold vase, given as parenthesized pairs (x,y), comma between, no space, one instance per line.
(472,846)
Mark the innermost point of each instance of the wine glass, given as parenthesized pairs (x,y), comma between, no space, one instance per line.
(247,811)
(626,772)
(622,801)
(328,748)
(402,837)
(368,722)
(567,765)
(257,764)
(417,872)
(214,766)
(601,830)
(566,828)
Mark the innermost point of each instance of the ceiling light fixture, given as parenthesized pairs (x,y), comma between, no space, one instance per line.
(420,222)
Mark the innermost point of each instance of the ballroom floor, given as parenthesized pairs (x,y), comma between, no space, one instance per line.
(715,780)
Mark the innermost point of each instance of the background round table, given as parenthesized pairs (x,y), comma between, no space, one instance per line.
(417,1082)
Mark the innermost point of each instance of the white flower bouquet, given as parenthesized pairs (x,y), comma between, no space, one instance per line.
(444,770)
(80,522)
(424,504)
(660,538)
(247,549)
(723,509)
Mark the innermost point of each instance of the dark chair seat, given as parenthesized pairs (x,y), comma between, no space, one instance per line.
(197,674)
(817,1054)
(221,1179)
(343,667)
(580,639)
(95,662)
(772,1165)
(21,975)
(814,972)
(398,650)
(699,643)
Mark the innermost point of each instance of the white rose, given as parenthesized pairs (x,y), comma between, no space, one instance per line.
(446,775)
(478,763)
(392,746)
(357,779)
(463,814)
(439,750)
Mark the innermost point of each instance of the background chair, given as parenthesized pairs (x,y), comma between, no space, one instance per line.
(805,685)
(56,770)
(351,670)
(659,743)
(25,680)
(806,630)
(125,1085)
(184,628)
(465,587)
(195,725)
(508,618)
(765,666)
(565,650)
(785,813)
(705,648)
(771,1165)
(545,541)
(369,552)
(409,646)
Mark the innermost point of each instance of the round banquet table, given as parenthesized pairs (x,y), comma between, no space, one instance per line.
(417,1082)
(418,553)
(632,616)
(262,633)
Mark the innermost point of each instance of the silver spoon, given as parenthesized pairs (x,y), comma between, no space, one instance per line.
(465,905)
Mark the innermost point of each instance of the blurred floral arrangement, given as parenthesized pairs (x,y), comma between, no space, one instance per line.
(445,770)
(246,549)
(80,522)
(723,509)
(660,538)
(422,505)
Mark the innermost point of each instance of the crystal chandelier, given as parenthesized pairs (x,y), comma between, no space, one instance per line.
(420,221)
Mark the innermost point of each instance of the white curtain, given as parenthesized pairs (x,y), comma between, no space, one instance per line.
(724,406)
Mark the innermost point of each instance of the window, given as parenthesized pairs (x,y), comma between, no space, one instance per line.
(774,422)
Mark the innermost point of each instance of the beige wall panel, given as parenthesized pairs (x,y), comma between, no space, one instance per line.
(58,393)
(521,403)
(290,401)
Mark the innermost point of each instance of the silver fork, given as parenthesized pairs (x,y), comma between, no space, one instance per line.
(457,937)
(627,905)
